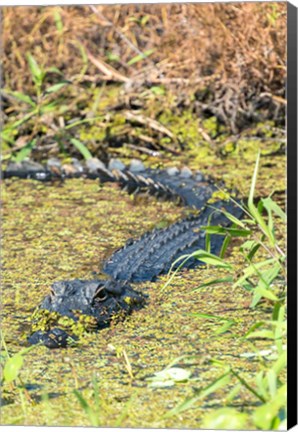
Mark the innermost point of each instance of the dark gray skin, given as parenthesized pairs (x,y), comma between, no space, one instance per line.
(100,299)
(54,338)
(97,298)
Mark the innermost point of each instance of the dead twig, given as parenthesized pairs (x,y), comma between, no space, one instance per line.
(109,73)
(145,150)
(149,122)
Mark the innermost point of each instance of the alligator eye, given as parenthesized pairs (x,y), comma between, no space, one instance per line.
(52,293)
(100,294)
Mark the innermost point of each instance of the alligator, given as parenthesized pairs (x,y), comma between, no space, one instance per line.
(94,304)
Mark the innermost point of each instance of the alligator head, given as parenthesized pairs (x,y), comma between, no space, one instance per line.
(82,304)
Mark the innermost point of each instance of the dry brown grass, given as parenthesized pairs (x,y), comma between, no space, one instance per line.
(237,51)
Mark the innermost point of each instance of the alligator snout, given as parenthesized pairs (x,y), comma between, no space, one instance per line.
(73,307)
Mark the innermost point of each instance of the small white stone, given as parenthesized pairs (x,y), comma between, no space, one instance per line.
(30,165)
(173,171)
(116,164)
(185,172)
(53,162)
(77,165)
(94,163)
(136,166)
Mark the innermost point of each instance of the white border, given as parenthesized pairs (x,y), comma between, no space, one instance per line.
(88,2)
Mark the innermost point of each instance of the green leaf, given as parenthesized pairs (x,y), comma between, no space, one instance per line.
(254,180)
(209,258)
(234,232)
(255,300)
(50,107)
(262,292)
(270,205)
(157,90)
(82,148)
(280,329)
(144,20)
(233,393)
(276,311)
(263,334)
(252,246)
(224,328)
(225,245)
(228,323)
(253,328)
(280,363)
(253,209)
(22,97)
(93,418)
(58,20)
(14,364)
(53,69)
(249,221)
(264,285)
(248,245)
(218,383)
(36,71)
(208,236)
(222,381)
(272,382)
(225,419)
(96,392)
(271,223)
(112,57)
(253,269)
(208,316)
(265,415)
(234,219)
(268,276)
(12,368)
(140,57)
(261,385)
(125,411)
(84,404)
(7,135)
(56,87)
(85,59)
(260,206)
(25,151)
(24,119)
(214,282)
(79,122)
(208,242)
(200,254)
(247,385)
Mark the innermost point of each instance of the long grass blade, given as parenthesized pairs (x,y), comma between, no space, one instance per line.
(82,148)
(222,381)
(214,282)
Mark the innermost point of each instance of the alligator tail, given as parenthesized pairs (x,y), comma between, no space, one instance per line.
(135,184)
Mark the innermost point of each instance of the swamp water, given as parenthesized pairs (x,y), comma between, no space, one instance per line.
(57,232)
